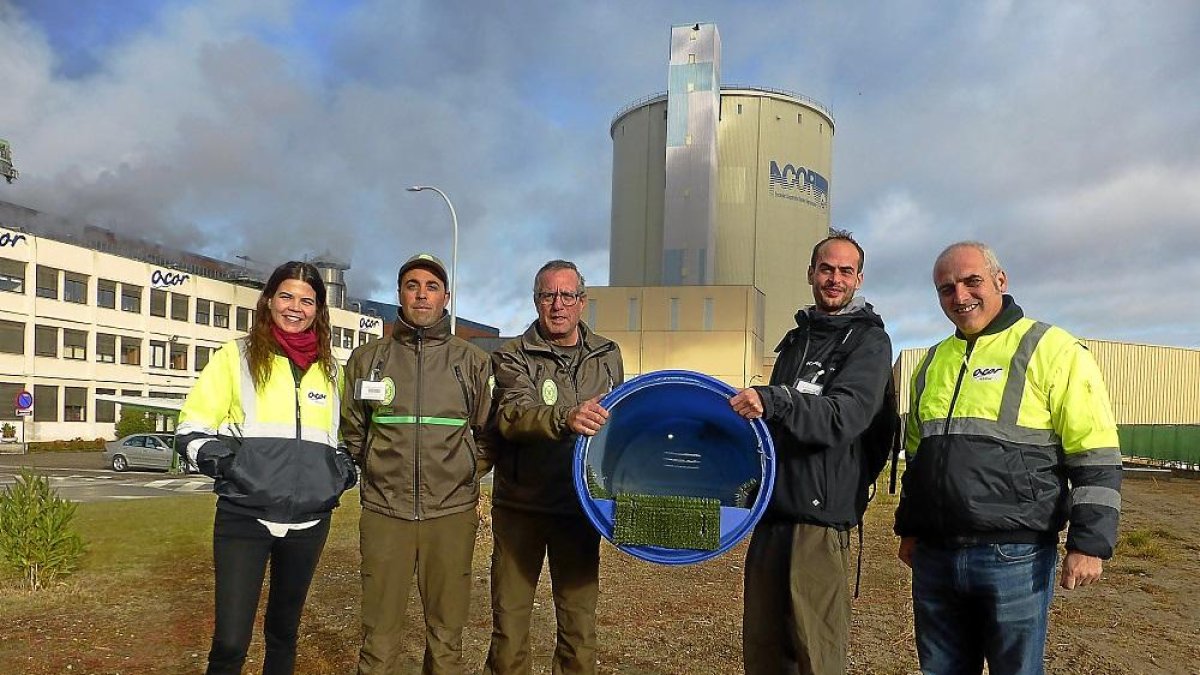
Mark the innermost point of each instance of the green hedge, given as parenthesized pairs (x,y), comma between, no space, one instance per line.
(74,445)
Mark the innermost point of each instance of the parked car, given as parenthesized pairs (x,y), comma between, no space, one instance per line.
(142,451)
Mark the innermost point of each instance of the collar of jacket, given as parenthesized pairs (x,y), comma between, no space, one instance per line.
(403,331)
(1010,313)
(819,325)
(532,340)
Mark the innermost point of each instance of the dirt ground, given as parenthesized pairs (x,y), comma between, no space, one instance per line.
(1144,617)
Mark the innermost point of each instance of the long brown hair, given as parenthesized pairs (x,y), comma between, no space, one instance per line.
(261,346)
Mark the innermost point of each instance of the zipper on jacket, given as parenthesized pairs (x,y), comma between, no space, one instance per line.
(462,384)
(417,425)
(958,386)
(939,510)
(606,348)
(296,375)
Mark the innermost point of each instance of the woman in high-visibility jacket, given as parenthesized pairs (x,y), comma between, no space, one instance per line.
(262,421)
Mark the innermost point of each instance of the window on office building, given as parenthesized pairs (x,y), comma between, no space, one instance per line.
(131,298)
(245,319)
(363,337)
(158,302)
(75,344)
(106,348)
(74,404)
(202,356)
(45,403)
(348,338)
(47,282)
(178,356)
(179,307)
(8,392)
(106,411)
(220,315)
(12,339)
(45,341)
(12,276)
(158,354)
(131,351)
(106,293)
(203,311)
(75,288)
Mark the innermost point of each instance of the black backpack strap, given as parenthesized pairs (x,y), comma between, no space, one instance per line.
(858,570)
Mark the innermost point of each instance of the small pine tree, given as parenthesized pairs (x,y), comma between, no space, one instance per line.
(37,541)
(135,422)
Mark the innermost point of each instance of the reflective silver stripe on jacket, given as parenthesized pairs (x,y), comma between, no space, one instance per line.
(1005,426)
(254,429)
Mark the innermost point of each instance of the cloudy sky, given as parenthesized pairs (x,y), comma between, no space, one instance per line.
(1065,133)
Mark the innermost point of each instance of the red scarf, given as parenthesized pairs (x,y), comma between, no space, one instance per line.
(300,348)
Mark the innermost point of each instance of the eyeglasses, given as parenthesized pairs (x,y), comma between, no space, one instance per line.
(567,299)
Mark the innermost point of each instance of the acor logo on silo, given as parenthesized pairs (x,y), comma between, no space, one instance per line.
(799,184)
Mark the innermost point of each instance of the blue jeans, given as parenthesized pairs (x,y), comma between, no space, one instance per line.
(989,601)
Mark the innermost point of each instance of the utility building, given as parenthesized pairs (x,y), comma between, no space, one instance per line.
(715,186)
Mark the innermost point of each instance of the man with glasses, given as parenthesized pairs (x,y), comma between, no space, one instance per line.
(548,385)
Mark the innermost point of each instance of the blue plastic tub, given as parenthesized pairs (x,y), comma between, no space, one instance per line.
(672,432)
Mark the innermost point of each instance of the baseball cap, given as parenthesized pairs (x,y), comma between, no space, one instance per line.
(425,261)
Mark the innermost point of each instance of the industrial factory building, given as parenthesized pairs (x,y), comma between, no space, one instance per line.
(719,193)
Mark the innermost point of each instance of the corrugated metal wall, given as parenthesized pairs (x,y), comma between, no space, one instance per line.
(1149,384)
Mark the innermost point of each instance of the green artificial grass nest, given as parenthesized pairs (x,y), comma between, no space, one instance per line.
(669,521)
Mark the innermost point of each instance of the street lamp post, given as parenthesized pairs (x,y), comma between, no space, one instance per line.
(453,251)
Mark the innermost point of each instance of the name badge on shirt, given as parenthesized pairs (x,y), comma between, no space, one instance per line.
(809,388)
(366,390)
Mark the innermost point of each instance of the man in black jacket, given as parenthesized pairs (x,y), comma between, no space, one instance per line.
(827,386)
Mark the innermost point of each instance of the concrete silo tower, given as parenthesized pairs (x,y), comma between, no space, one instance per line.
(722,185)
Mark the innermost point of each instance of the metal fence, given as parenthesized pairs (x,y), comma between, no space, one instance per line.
(1175,445)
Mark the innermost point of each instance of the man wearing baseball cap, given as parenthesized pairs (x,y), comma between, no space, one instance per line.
(414,421)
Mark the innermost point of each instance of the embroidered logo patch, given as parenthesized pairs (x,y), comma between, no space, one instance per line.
(549,392)
(316,397)
(987,374)
(389,391)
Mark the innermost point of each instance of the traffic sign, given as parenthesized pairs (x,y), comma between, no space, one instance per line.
(24,402)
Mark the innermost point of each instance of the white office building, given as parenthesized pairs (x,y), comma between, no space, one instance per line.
(78,321)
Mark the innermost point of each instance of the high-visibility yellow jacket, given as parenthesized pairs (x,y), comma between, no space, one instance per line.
(1010,437)
(273,453)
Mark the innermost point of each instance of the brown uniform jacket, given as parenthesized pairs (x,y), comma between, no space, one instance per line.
(420,446)
(535,389)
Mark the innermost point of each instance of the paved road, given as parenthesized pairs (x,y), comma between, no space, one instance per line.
(80,477)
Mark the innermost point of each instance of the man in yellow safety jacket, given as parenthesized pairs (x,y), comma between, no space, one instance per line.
(1010,436)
